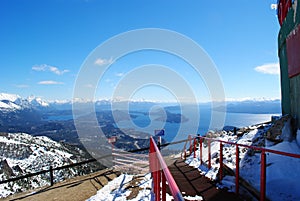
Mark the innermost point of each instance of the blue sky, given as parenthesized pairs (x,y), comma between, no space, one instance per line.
(44,44)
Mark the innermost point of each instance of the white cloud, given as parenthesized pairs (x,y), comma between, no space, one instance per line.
(53,69)
(101,62)
(57,71)
(49,82)
(269,68)
(119,74)
(39,68)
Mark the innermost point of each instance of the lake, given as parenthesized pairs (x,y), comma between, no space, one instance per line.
(198,122)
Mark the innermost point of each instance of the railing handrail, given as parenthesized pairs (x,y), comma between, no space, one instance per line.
(237,145)
(251,147)
(154,157)
(52,169)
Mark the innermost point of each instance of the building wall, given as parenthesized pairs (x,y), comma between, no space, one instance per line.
(295,98)
(290,85)
(285,84)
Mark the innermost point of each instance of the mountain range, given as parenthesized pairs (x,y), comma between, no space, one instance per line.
(13,102)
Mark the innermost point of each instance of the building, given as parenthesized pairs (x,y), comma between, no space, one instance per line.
(289,57)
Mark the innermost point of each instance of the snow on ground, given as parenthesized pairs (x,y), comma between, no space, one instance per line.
(119,190)
(283,173)
(114,190)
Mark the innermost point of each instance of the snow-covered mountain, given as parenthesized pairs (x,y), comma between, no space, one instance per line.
(12,102)
(21,154)
(37,102)
(9,97)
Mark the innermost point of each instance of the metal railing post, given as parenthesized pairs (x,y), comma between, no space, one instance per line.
(209,154)
(158,182)
(159,172)
(184,151)
(195,143)
(51,176)
(156,188)
(200,144)
(237,169)
(164,187)
(190,148)
(263,176)
(153,169)
(221,161)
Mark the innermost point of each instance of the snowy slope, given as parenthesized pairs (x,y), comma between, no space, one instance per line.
(9,105)
(21,154)
(9,97)
(30,153)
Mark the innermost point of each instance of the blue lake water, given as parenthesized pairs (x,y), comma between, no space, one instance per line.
(198,122)
(59,117)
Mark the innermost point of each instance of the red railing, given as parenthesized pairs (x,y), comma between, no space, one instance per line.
(160,174)
(200,139)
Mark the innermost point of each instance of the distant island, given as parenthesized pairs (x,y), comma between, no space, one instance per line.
(173,118)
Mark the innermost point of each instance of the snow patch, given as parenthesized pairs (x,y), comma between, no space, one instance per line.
(116,189)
